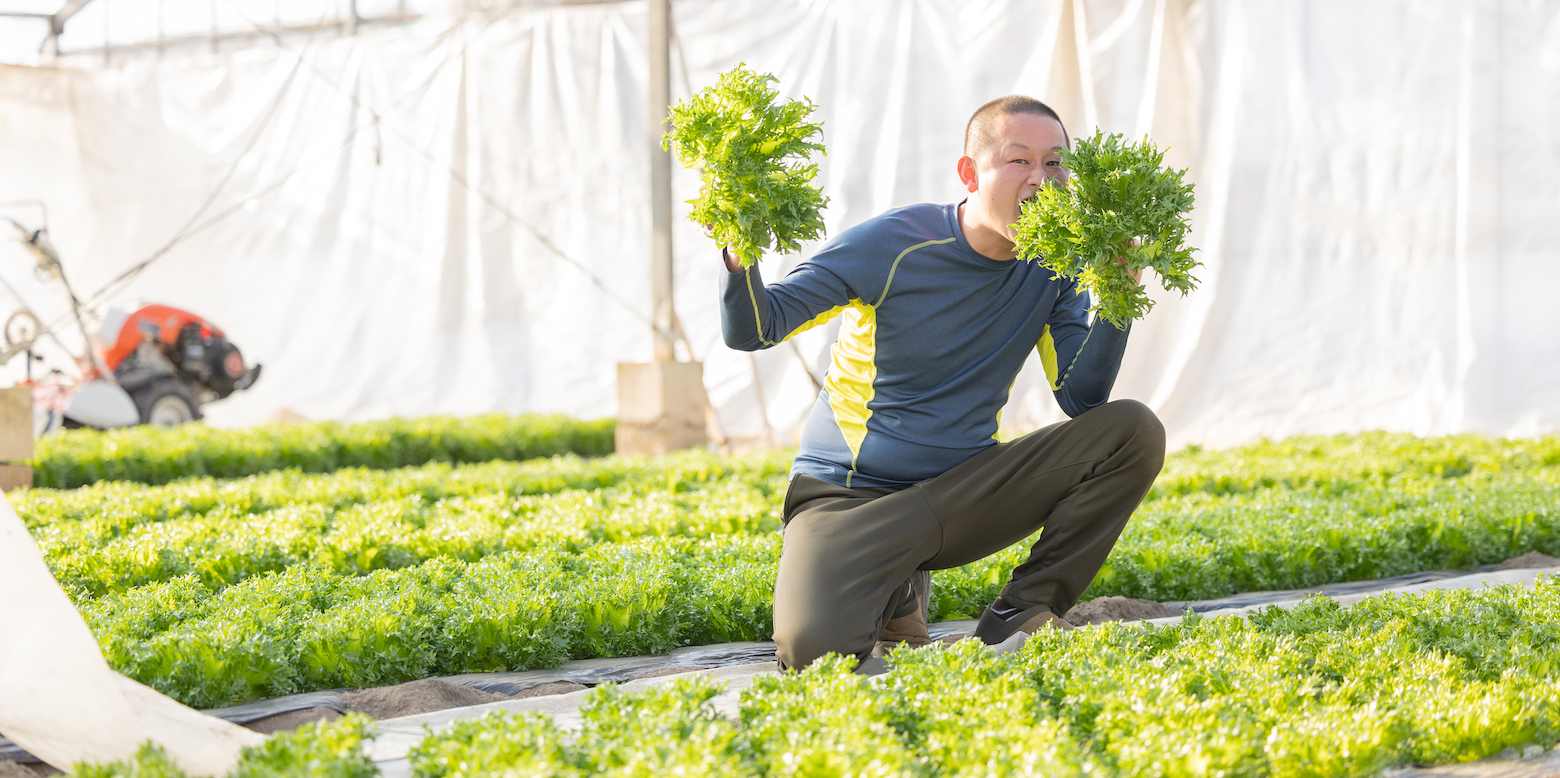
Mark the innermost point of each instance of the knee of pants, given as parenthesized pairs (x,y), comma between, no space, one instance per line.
(799,645)
(1143,427)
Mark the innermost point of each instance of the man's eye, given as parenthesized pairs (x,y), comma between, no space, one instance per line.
(1020,161)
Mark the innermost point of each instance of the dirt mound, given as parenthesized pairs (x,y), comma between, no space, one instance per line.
(548,689)
(1528,561)
(1103,609)
(410,699)
(9,769)
(291,720)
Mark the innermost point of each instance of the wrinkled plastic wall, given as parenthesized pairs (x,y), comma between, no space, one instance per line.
(451,217)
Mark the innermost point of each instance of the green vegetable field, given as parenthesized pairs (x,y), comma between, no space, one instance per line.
(158,455)
(1444,676)
(220,591)
(1319,691)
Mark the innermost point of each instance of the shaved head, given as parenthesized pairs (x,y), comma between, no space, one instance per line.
(981,132)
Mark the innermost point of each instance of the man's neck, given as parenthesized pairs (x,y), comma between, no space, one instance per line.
(988,238)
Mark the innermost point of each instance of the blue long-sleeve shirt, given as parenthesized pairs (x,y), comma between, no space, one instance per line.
(932,339)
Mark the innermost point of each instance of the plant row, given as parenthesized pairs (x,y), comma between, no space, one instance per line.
(111,508)
(158,455)
(319,750)
(1318,691)
(114,536)
(323,624)
(1335,465)
(1341,463)
(1444,676)
(103,460)
(306,629)
(1184,547)
(226,546)
(226,590)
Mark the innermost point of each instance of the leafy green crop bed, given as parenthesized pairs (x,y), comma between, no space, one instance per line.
(319,750)
(1318,691)
(1443,676)
(158,455)
(217,592)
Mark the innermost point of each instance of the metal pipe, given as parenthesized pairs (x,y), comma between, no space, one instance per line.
(258,32)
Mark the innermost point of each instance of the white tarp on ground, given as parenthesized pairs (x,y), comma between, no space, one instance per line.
(452,217)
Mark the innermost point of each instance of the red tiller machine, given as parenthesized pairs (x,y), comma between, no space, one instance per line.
(158,365)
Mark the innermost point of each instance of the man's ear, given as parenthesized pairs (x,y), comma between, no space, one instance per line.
(967,174)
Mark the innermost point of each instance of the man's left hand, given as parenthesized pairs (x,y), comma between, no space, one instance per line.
(1137,275)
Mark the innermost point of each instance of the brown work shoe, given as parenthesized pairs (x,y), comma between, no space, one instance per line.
(906,630)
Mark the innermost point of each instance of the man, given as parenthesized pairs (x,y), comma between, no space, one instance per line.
(899,472)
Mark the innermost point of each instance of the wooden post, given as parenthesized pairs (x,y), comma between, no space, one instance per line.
(661,407)
(16,437)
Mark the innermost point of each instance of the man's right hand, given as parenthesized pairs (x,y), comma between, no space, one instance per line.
(732,264)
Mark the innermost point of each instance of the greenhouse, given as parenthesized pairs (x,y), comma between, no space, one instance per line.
(802,387)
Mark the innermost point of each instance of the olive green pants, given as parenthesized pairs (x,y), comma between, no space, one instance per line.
(855,558)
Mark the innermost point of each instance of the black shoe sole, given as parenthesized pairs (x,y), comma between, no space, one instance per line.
(993,629)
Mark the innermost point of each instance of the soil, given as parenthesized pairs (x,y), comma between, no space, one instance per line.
(293,719)
(1103,609)
(546,689)
(1528,561)
(410,699)
(9,769)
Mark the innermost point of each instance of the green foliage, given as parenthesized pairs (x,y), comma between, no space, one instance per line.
(305,629)
(149,761)
(848,730)
(335,749)
(222,591)
(115,536)
(1121,202)
(1443,676)
(753,158)
(500,743)
(1321,522)
(1313,691)
(158,455)
(323,749)
(667,730)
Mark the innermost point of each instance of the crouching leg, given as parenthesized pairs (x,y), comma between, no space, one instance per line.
(848,558)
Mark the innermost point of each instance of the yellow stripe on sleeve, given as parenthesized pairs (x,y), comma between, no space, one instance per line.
(1047,347)
(759,321)
(817,320)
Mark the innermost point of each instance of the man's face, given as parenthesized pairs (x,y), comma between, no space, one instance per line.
(1025,156)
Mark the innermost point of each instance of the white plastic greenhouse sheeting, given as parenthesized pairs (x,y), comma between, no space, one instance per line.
(410,214)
